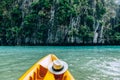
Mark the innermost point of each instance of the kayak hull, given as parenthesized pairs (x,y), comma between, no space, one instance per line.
(39,71)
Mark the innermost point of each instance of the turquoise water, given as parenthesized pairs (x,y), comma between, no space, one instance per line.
(85,63)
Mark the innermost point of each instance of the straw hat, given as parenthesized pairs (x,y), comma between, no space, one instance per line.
(58,67)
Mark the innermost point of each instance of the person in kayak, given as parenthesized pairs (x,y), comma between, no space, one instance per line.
(58,68)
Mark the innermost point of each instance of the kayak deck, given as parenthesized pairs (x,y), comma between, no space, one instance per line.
(39,71)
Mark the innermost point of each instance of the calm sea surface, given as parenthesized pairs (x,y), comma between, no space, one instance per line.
(85,63)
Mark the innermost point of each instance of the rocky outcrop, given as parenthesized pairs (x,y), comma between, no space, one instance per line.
(60,21)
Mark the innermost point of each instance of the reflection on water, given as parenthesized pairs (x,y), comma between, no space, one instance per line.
(85,63)
(106,69)
(110,68)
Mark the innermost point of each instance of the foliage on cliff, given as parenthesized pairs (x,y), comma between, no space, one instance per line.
(59,21)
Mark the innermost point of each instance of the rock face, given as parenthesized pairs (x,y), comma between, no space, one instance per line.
(59,21)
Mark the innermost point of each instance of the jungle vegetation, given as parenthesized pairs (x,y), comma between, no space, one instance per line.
(34,22)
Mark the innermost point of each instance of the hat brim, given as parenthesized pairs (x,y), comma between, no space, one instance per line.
(58,72)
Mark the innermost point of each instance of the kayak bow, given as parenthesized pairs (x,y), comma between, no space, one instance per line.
(39,71)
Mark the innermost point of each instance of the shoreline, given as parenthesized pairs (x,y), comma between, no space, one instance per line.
(66,44)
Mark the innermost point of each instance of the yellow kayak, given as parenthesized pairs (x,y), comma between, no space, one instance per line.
(39,71)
